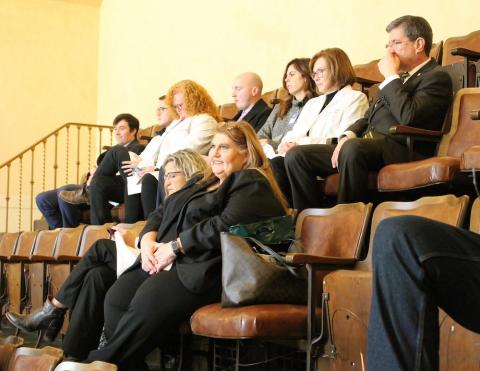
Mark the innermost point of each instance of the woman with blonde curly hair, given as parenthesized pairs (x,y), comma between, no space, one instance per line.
(196,122)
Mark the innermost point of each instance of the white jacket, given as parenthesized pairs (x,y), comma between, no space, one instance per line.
(346,107)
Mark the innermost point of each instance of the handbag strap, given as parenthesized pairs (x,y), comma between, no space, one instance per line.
(269,251)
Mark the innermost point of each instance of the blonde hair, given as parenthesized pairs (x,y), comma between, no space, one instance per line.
(243,135)
(196,99)
(189,163)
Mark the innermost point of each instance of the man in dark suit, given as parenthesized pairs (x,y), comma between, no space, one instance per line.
(105,185)
(420,99)
(247,95)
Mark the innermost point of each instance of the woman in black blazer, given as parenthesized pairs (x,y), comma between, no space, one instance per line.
(84,290)
(180,268)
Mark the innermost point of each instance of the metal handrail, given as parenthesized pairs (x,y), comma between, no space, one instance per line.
(15,167)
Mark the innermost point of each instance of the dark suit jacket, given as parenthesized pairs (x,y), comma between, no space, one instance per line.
(198,216)
(422,102)
(257,115)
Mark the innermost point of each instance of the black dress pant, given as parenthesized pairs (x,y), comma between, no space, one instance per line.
(83,293)
(280,173)
(357,157)
(106,186)
(149,194)
(142,310)
(418,266)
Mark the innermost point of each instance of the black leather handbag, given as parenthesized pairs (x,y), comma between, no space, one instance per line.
(253,273)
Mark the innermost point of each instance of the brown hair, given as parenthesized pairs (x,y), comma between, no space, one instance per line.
(244,136)
(339,65)
(301,65)
(196,99)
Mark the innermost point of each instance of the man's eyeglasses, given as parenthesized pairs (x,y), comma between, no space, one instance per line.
(395,43)
(318,72)
(162,109)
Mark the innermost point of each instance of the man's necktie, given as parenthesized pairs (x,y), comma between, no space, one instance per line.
(404,76)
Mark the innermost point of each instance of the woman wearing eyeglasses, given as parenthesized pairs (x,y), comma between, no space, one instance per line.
(180,267)
(84,290)
(196,121)
(328,115)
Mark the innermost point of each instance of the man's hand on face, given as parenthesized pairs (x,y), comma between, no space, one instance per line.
(389,65)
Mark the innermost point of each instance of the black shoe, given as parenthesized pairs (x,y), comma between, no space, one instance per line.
(48,319)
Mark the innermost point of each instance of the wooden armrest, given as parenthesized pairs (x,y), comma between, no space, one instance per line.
(300,258)
(18,258)
(41,258)
(106,148)
(367,82)
(467,53)
(475,115)
(410,130)
(67,258)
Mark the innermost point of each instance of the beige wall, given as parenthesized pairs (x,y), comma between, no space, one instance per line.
(146,47)
(48,68)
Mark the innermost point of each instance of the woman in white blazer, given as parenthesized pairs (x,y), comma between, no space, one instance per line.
(327,116)
(194,128)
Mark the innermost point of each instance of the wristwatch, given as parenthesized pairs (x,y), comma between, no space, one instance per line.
(176,250)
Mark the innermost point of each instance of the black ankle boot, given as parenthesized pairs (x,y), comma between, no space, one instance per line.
(48,319)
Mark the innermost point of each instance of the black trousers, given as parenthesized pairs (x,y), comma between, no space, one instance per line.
(418,266)
(280,173)
(149,194)
(106,186)
(357,157)
(142,310)
(83,293)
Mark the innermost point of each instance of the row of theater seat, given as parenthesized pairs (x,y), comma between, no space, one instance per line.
(14,357)
(334,241)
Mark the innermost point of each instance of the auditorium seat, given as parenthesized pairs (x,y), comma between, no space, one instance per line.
(42,250)
(461,56)
(93,366)
(349,291)
(45,359)
(7,247)
(332,238)
(8,345)
(16,272)
(444,168)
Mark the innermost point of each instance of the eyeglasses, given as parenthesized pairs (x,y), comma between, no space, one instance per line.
(318,72)
(395,43)
(173,174)
(161,109)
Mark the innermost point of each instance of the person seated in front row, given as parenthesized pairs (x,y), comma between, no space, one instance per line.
(300,87)
(197,120)
(247,95)
(84,289)
(62,207)
(419,265)
(420,99)
(180,266)
(327,116)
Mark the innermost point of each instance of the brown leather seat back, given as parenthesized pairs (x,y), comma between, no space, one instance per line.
(8,346)
(46,358)
(91,234)
(475,216)
(269,96)
(25,243)
(464,132)
(134,228)
(338,231)
(470,41)
(8,243)
(228,111)
(145,135)
(436,52)
(45,242)
(448,209)
(68,241)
